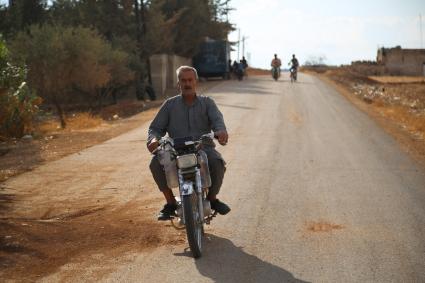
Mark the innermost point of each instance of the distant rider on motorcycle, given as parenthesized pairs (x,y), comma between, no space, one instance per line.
(294,66)
(276,63)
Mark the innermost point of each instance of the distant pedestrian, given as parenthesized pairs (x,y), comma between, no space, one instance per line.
(235,68)
(244,65)
(230,69)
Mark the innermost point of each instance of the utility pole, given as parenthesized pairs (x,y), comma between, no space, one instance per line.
(243,45)
(420,30)
(227,11)
(239,41)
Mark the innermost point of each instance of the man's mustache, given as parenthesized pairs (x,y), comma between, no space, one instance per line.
(187,87)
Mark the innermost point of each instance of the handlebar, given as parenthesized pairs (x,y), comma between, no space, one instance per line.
(167,140)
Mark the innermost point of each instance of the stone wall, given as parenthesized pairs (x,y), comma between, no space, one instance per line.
(398,61)
(367,68)
(163,71)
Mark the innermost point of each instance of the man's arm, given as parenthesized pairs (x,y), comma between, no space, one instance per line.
(217,121)
(158,127)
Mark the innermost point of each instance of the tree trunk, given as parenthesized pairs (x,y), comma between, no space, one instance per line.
(100,105)
(114,95)
(61,114)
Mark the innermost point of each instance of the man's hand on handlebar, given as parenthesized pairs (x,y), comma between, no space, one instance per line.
(222,137)
(154,143)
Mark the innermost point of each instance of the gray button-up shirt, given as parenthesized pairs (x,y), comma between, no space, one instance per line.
(181,120)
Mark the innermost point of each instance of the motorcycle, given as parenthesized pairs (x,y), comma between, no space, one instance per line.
(275,73)
(239,73)
(186,167)
(293,74)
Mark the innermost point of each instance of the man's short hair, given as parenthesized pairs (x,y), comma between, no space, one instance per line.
(186,68)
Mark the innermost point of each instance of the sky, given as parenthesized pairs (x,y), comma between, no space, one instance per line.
(342,31)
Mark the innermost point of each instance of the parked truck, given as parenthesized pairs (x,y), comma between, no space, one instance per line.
(213,58)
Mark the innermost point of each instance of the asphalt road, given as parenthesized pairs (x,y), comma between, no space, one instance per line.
(319,193)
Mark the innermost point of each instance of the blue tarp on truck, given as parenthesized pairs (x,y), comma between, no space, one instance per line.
(212,59)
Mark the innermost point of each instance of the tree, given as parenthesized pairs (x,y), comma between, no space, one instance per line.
(63,59)
(191,21)
(20,14)
(316,60)
(118,64)
(111,18)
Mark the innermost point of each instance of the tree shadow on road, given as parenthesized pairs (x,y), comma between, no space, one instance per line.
(222,261)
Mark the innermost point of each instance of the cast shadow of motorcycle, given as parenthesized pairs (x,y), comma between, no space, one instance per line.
(225,262)
(186,167)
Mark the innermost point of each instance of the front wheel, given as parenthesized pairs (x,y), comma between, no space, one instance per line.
(194,224)
(275,74)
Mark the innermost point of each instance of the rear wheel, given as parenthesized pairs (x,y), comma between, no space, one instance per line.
(194,225)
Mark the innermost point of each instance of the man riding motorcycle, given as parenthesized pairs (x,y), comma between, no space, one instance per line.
(276,63)
(294,67)
(188,114)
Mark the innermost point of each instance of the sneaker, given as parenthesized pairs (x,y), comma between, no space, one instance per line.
(168,212)
(220,207)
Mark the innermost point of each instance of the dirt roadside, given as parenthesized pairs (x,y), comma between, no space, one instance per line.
(42,229)
(397,104)
(18,156)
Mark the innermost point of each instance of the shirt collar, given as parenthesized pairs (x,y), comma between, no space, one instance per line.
(195,101)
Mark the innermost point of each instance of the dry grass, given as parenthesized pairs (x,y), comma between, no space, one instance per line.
(414,123)
(397,79)
(83,121)
(77,121)
(48,126)
(257,72)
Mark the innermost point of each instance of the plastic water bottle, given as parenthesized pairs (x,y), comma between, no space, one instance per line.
(205,171)
(167,160)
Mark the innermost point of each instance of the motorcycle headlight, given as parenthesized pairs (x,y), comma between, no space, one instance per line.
(186,161)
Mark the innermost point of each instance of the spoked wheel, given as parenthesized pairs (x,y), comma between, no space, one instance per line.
(194,225)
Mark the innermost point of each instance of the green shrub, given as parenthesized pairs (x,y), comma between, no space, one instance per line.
(65,61)
(18,104)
